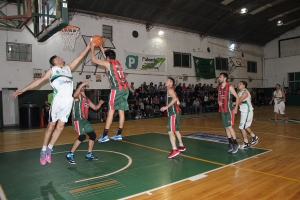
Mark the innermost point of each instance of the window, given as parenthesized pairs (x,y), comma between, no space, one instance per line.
(252,66)
(18,52)
(221,63)
(182,59)
(294,80)
(107,32)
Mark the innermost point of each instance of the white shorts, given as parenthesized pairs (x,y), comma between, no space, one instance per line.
(279,108)
(60,109)
(246,120)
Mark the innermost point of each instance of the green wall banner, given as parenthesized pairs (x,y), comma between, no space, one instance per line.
(147,62)
(204,68)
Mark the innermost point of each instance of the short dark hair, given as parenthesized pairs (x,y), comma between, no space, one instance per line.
(111,54)
(172,79)
(225,75)
(78,84)
(244,83)
(51,60)
(278,85)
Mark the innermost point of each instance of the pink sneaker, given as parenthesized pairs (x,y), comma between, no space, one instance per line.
(43,158)
(48,155)
(181,148)
(173,153)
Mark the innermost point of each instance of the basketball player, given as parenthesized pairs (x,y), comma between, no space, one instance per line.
(228,110)
(246,115)
(81,125)
(61,80)
(279,105)
(119,91)
(174,112)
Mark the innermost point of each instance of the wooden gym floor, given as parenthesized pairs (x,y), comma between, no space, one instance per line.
(138,168)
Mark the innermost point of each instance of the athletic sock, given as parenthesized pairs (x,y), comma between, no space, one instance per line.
(230,141)
(234,141)
(252,134)
(105,132)
(44,148)
(50,146)
(119,131)
(246,141)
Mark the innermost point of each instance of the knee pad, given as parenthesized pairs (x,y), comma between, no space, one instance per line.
(92,135)
(81,138)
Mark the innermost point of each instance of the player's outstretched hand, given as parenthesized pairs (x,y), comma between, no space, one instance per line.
(17,93)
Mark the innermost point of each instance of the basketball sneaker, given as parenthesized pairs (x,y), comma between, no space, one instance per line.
(90,156)
(245,146)
(48,155)
(286,120)
(173,153)
(116,137)
(103,139)
(235,148)
(181,148)
(275,123)
(43,160)
(70,158)
(254,141)
(230,147)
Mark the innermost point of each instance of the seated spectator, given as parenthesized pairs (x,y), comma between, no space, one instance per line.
(197,107)
(183,107)
(161,90)
(189,106)
(178,90)
(142,108)
(156,102)
(104,113)
(149,108)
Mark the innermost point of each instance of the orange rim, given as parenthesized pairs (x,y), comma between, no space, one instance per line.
(71,28)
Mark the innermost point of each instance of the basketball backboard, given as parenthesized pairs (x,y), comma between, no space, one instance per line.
(237,62)
(47,17)
(50,16)
(107,43)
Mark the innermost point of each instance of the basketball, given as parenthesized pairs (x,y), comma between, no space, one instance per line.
(97,40)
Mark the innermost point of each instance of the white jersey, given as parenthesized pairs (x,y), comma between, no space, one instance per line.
(246,105)
(62,81)
(277,96)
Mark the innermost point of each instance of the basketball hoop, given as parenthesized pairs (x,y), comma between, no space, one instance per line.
(69,35)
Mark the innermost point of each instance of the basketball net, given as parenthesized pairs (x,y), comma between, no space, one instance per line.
(69,35)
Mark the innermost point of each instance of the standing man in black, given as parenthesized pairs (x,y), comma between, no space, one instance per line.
(45,113)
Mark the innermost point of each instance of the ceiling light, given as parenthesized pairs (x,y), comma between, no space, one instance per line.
(161,33)
(243,11)
(279,23)
(232,47)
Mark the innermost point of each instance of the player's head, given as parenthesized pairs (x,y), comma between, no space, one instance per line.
(242,85)
(56,61)
(278,86)
(78,84)
(170,82)
(223,77)
(111,54)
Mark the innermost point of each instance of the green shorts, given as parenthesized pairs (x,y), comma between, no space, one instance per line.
(174,122)
(227,119)
(82,126)
(118,99)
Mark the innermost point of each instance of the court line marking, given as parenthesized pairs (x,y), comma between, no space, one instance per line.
(122,169)
(96,177)
(92,186)
(203,175)
(2,194)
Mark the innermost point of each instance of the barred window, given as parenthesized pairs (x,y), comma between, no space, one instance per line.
(107,32)
(252,66)
(182,59)
(221,63)
(18,52)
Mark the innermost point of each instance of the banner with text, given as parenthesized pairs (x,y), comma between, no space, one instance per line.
(140,61)
(205,68)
